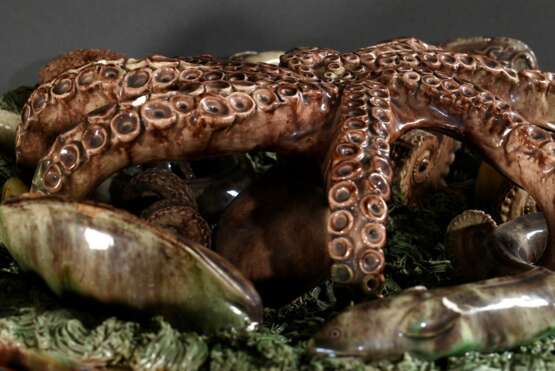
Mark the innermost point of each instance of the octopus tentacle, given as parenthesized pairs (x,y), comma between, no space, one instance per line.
(523,151)
(530,92)
(358,174)
(175,208)
(60,104)
(512,52)
(422,159)
(506,200)
(287,117)
(379,60)
(515,202)
(160,183)
(333,67)
(75,59)
(304,60)
(426,173)
(183,221)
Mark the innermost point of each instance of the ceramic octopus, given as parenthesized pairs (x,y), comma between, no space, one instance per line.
(343,109)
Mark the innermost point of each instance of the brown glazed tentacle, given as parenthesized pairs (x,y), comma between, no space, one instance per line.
(289,118)
(425,157)
(512,52)
(358,174)
(333,67)
(504,199)
(529,92)
(422,160)
(305,60)
(515,202)
(183,221)
(75,59)
(507,201)
(174,208)
(60,104)
(519,149)
(161,184)
(430,154)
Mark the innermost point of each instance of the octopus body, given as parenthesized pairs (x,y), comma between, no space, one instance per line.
(344,109)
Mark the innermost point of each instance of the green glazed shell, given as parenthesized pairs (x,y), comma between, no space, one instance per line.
(115,258)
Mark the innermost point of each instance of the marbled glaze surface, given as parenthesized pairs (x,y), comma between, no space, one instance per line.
(115,258)
(485,316)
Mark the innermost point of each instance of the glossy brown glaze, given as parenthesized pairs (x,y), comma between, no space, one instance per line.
(521,241)
(159,184)
(501,197)
(423,158)
(422,161)
(485,316)
(215,182)
(166,200)
(351,106)
(514,202)
(512,52)
(480,249)
(60,104)
(274,233)
(74,59)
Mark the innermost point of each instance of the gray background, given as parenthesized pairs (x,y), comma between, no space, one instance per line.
(31,32)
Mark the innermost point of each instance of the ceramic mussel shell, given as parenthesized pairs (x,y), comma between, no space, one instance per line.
(113,257)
